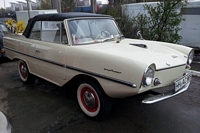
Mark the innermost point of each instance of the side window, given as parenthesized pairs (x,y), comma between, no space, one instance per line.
(36,31)
(53,31)
(50,31)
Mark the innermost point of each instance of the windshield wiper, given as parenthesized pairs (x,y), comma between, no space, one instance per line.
(110,39)
(107,39)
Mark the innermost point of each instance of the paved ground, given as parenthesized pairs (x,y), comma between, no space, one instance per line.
(196,66)
(46,108)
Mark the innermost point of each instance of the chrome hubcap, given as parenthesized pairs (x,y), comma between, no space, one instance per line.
(23,70)
(89,99)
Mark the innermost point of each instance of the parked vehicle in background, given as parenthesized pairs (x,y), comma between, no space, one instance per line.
(3,28)
(90,50)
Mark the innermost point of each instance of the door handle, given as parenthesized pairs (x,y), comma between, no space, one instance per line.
(37,51)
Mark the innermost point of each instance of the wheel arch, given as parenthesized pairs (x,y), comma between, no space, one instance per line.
(80,77)
(94,110)
(18,58)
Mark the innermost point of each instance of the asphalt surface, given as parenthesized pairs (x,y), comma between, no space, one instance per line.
(195,66)
(46,108)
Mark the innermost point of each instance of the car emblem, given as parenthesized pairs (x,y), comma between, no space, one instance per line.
(174,56)
(168,64)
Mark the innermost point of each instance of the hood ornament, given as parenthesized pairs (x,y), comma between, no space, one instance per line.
(168,64)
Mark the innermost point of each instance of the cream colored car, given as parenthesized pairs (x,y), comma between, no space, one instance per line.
(90,50)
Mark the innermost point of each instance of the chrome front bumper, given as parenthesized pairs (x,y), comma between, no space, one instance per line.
(168,94)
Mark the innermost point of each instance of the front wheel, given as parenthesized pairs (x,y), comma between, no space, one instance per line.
(24,74)
(92,100)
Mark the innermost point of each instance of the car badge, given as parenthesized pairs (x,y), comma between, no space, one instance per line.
(174,56)
(168,64)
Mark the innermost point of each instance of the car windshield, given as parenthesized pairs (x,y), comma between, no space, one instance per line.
(88,31)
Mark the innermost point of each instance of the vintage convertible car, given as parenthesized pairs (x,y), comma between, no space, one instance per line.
(90,50)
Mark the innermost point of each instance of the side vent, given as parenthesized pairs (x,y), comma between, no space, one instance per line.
(139,45)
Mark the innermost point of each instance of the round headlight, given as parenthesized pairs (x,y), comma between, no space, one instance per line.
(148,77)
(190,57)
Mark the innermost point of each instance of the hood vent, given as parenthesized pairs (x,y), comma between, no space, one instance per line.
(139,45)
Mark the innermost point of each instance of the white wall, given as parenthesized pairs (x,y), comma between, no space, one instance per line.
(190,31)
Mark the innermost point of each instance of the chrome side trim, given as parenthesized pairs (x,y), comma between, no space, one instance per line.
(102,76)
(77,69)
(164,96)
(48,61)
(170,67)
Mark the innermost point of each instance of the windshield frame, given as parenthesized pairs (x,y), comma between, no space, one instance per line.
(92,18)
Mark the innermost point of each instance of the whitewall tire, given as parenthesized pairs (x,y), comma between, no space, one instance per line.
(23,71)
(92,100)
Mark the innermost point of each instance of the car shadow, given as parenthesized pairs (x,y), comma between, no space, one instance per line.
(4,60)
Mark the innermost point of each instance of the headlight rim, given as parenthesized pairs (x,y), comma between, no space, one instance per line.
(144,79)
(190,57)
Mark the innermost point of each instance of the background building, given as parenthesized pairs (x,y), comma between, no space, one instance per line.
(20,6)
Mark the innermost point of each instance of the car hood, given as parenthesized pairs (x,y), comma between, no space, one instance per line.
(142,51)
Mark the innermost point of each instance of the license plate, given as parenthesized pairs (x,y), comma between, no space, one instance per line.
(181,82)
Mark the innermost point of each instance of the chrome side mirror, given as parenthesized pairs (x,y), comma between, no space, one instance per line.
(117,38)
(139,34)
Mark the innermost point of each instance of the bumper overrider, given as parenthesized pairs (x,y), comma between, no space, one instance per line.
(180,85)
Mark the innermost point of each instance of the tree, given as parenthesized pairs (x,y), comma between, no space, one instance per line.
(45,4)
(2,10)
(119,2)
(68,5)
(162,22)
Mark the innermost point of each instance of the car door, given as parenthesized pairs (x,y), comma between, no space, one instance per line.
(50,52)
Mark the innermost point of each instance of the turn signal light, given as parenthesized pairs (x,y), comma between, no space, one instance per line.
(2,50)
(187,67)
(157,82)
